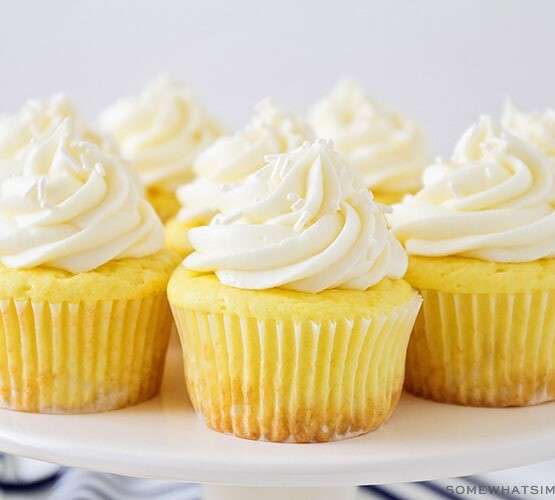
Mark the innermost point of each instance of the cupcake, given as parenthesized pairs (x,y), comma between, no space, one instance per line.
(84,314)
(536,127)
(229,160)
(38,120)
(387,149)
(160,132)
(481,242)
(291,311)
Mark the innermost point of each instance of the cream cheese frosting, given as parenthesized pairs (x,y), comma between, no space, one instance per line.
(37,120)
(493,201)
(302,222)
(536,127)
(160,132)
(388,149)
(68,205)
(232,158)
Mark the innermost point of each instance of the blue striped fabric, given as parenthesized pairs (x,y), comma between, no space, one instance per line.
(22,476)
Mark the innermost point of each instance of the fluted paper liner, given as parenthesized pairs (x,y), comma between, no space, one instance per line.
(82,357)
(295,381)
(484,350)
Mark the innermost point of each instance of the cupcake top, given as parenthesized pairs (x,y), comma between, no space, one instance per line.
(495,201)
(536,127)
(38,119)
(68,205)
(302,222)
(387,149)
(161,131)
(232,158)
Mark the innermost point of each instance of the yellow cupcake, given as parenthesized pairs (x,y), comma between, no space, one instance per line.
(160,132)
(482,247)
(84,317)
(282,365)
(295,330)
(486,333)
(86,342)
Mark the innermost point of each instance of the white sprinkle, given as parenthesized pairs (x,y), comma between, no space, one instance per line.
(303,219)
(85,161)
(46,205)
(276,170)
(30,190)
(41,186)
(75,166)
(386,209)
(292,197)
(298,204)
(454,189)
(99,168)
(270,157)
(224,188)
(489,172)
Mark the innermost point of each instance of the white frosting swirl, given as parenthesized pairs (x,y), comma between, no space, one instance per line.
(494,201)
(160,132)
(303,223)
(38,120)
(387,149)
(66,204)
(537,127)
(232,158)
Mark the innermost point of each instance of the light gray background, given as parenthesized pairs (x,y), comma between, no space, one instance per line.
(444,62)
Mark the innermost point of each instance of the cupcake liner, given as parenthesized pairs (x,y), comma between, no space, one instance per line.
(81,357)
(295,381)
(484,350)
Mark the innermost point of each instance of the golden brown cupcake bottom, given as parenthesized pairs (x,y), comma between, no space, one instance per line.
(485,335)
(308,379)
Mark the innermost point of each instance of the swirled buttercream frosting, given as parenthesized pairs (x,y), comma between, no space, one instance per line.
(536,127)
(38,120)
(68,205)
(302,222)
(160,132)
(232,158)
(387,149)
(493,201)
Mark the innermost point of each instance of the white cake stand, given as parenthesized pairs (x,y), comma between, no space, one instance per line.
(163,439)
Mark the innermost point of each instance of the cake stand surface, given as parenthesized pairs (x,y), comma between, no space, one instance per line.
(163,439)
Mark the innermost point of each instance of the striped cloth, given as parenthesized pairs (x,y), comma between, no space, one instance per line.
(82,485)
(22,478)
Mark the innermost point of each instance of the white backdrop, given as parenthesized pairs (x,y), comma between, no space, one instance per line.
(444,62)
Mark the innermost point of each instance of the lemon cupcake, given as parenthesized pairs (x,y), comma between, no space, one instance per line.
(387,149)
(536,127)
(84,314)
(229,160)
(292,313)
(481,242)
(160,132)
(38,120)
